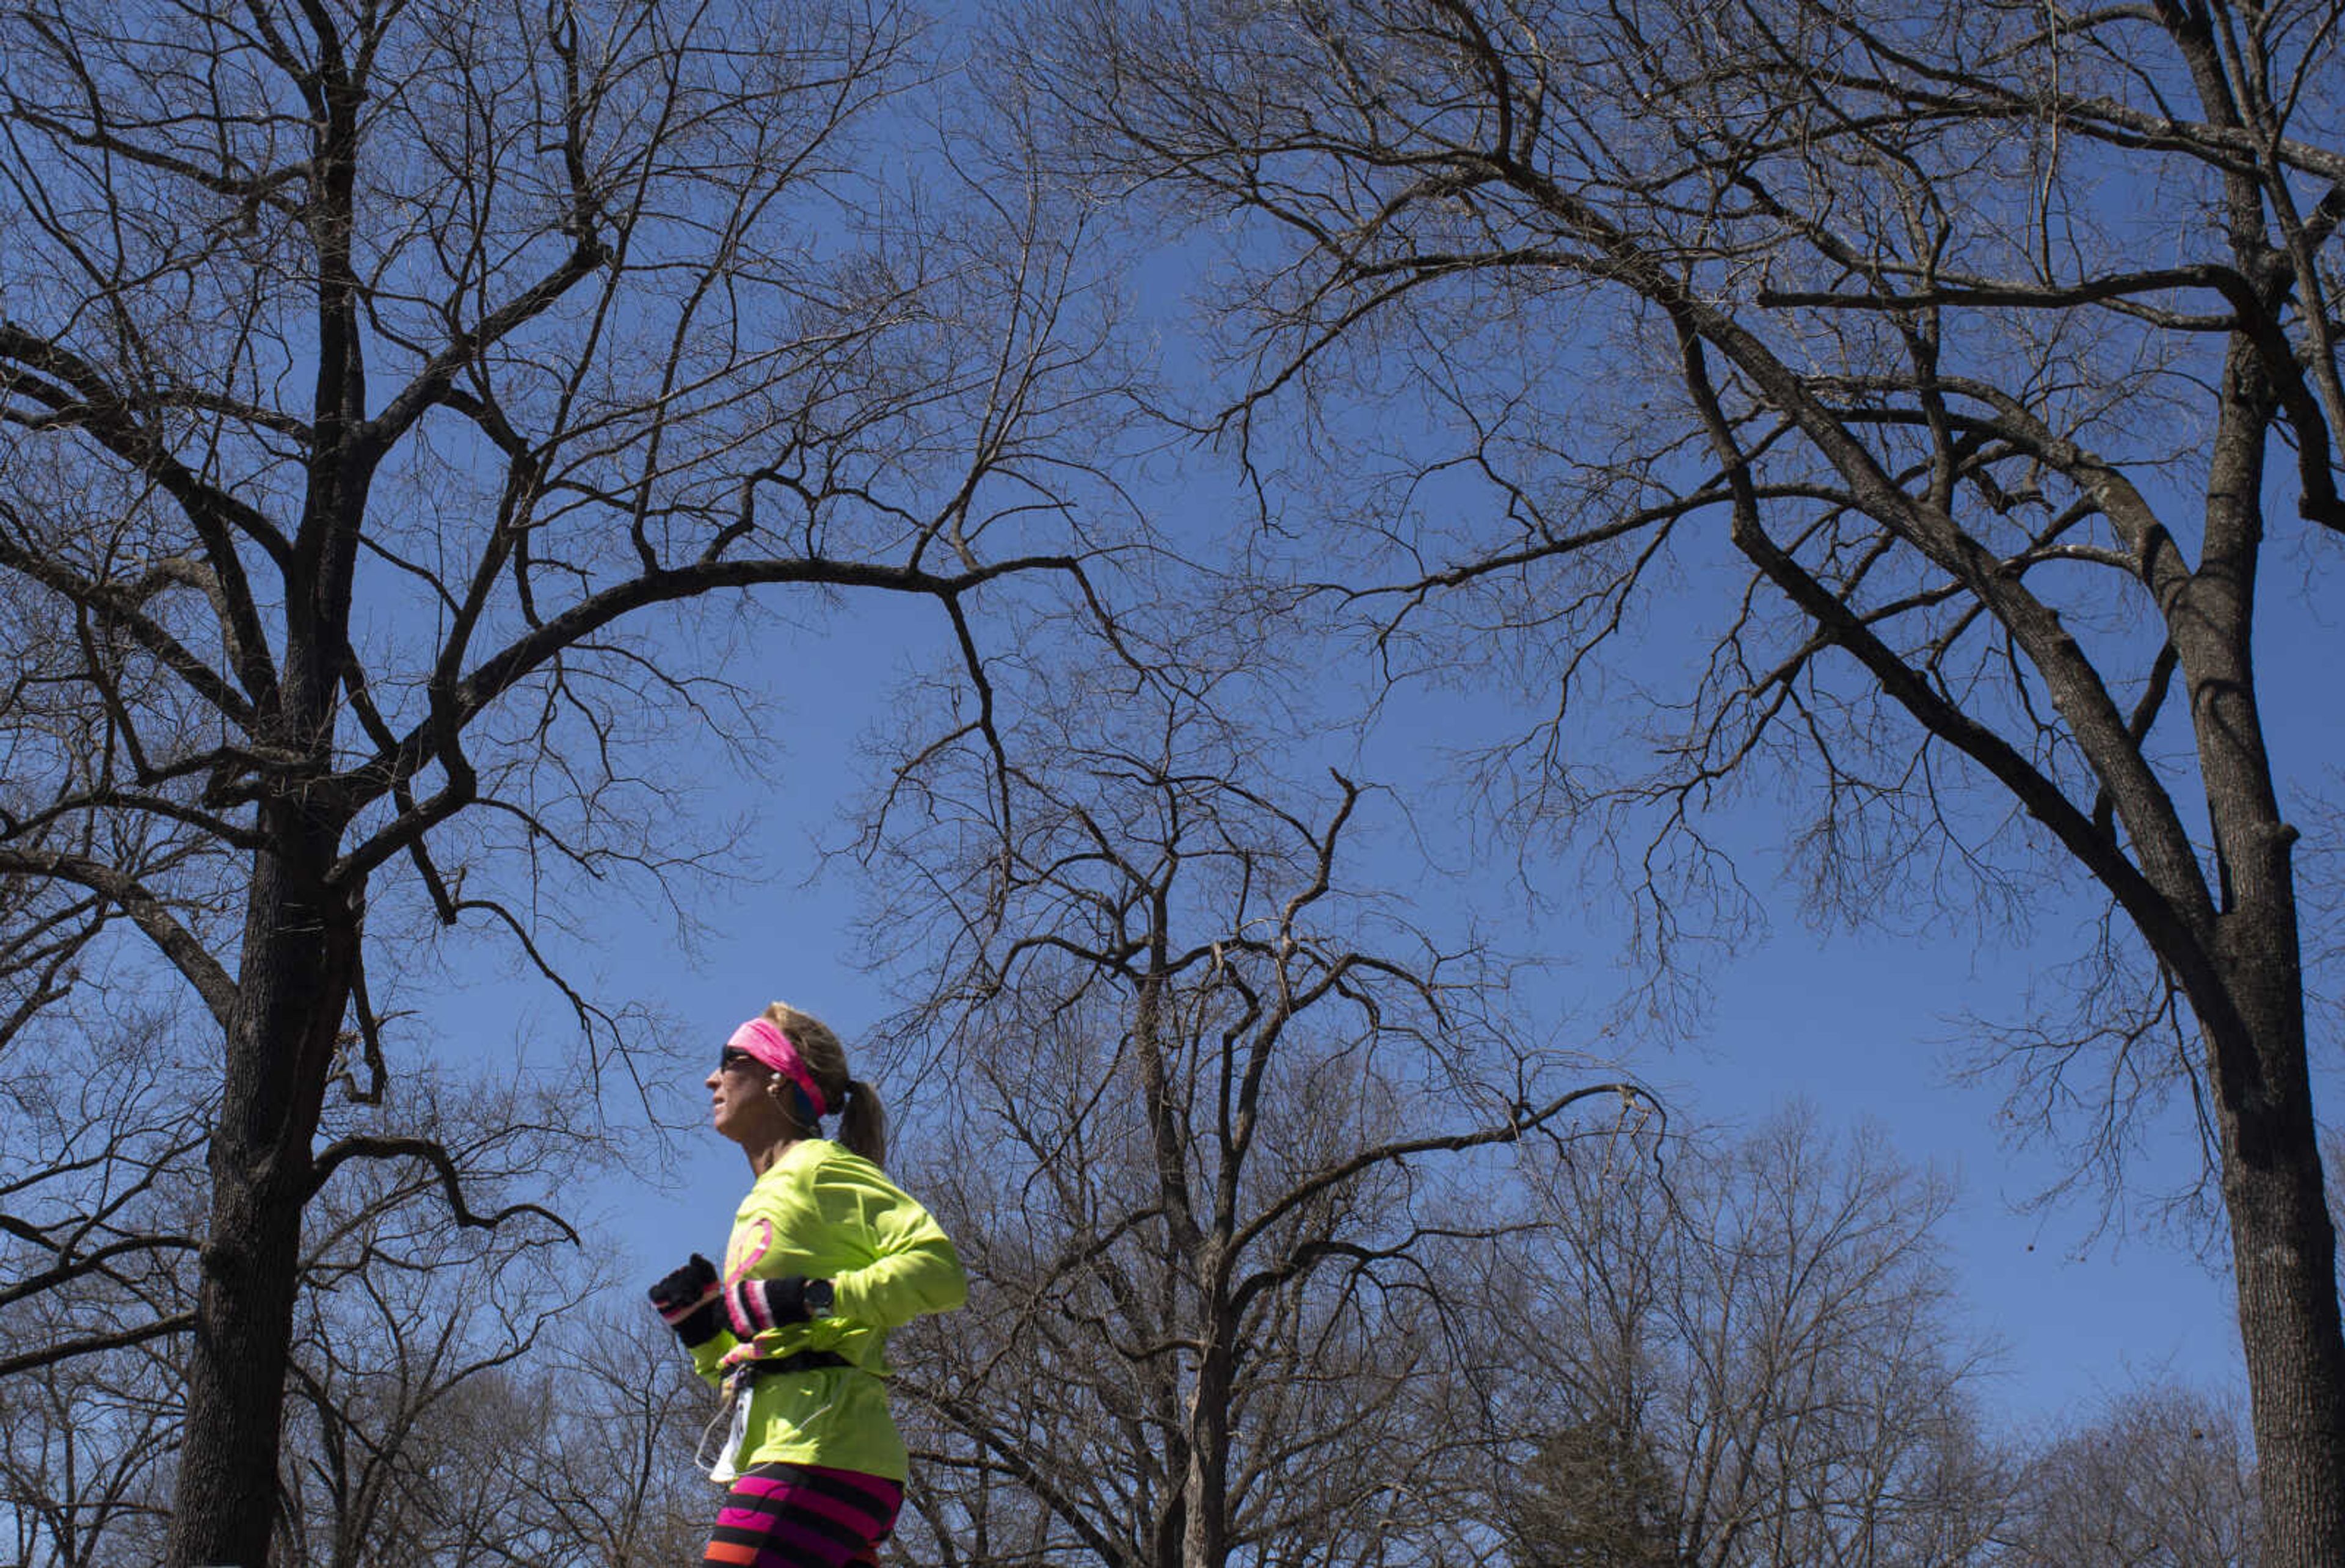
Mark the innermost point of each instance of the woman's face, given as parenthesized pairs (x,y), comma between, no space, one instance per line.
(741,1107)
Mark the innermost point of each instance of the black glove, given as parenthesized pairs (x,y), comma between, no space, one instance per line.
(688,1299)
(757,1304)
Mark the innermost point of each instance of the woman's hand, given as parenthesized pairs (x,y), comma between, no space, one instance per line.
(686,1300)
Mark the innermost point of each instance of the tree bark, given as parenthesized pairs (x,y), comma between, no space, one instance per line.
(1206,1543)
(2283,1258)
(300,952)
(2283,1245)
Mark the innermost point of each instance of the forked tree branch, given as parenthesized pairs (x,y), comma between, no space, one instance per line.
(366,1145)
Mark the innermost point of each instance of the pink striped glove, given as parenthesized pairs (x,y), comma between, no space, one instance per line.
(686,1300)
(755,1305)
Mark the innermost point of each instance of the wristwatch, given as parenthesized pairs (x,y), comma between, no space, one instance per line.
(820,1298)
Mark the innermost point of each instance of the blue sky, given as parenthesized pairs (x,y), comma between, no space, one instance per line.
(1861,1025)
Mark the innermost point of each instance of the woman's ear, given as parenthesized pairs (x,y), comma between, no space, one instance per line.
(792,1100)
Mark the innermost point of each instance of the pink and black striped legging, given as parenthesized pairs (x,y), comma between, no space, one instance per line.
(803,1516)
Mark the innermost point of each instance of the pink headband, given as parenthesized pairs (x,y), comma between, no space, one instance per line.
(761,1039)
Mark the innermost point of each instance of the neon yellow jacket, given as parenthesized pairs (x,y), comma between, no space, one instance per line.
(823,1213)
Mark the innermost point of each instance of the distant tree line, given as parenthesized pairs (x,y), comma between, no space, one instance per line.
(1747,1351)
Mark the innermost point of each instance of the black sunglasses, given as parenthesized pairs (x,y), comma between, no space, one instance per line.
(731,1058)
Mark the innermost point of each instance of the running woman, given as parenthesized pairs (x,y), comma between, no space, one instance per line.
(826,1254)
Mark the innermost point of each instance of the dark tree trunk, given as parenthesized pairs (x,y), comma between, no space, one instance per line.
(299,950)
(1206,1543)
(2283,1246)
(2283,1256)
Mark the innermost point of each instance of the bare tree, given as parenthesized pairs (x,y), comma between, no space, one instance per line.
(84,1450)
(98,1173)
(571,1447)
(1952,361)
(578,1454)
(616,1477)
(2161,1479)
(1221,1132)
(402,1313)
(384,383)
(1747,1354)
(100,1134)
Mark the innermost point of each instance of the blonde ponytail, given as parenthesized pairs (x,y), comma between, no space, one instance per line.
(863,1124)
